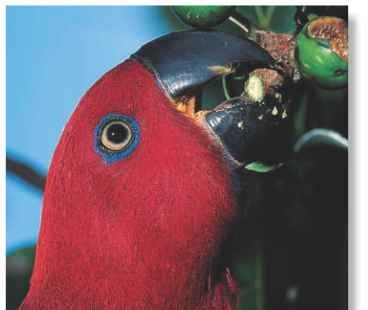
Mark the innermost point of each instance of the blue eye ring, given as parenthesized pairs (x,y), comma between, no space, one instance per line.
(109,150)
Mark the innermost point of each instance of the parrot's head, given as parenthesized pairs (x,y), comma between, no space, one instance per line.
(139,196)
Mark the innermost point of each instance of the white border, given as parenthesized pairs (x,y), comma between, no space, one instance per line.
(175,2)
(358,132)
(358,157)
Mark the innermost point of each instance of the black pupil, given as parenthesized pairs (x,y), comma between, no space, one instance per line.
(117,133)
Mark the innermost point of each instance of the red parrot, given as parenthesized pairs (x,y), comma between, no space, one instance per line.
(139,199)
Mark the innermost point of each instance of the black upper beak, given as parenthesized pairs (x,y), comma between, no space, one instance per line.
(184,61)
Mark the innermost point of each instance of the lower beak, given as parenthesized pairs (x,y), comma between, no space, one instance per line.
(244,130)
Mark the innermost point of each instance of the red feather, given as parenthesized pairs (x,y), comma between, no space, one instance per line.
(144,232)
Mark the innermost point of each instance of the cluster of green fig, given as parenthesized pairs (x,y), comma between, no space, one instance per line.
(321,50)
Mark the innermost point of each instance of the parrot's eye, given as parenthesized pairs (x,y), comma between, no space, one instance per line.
(117,136)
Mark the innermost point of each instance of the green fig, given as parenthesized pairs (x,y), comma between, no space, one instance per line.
(322,52)
(203,16)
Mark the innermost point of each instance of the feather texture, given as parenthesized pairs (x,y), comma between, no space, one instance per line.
(144,232)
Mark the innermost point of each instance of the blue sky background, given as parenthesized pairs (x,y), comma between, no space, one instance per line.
(54,54)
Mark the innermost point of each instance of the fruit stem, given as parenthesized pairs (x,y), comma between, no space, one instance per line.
(224,87)
(260,15)
(269,14)
(235,21)
(264,16)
